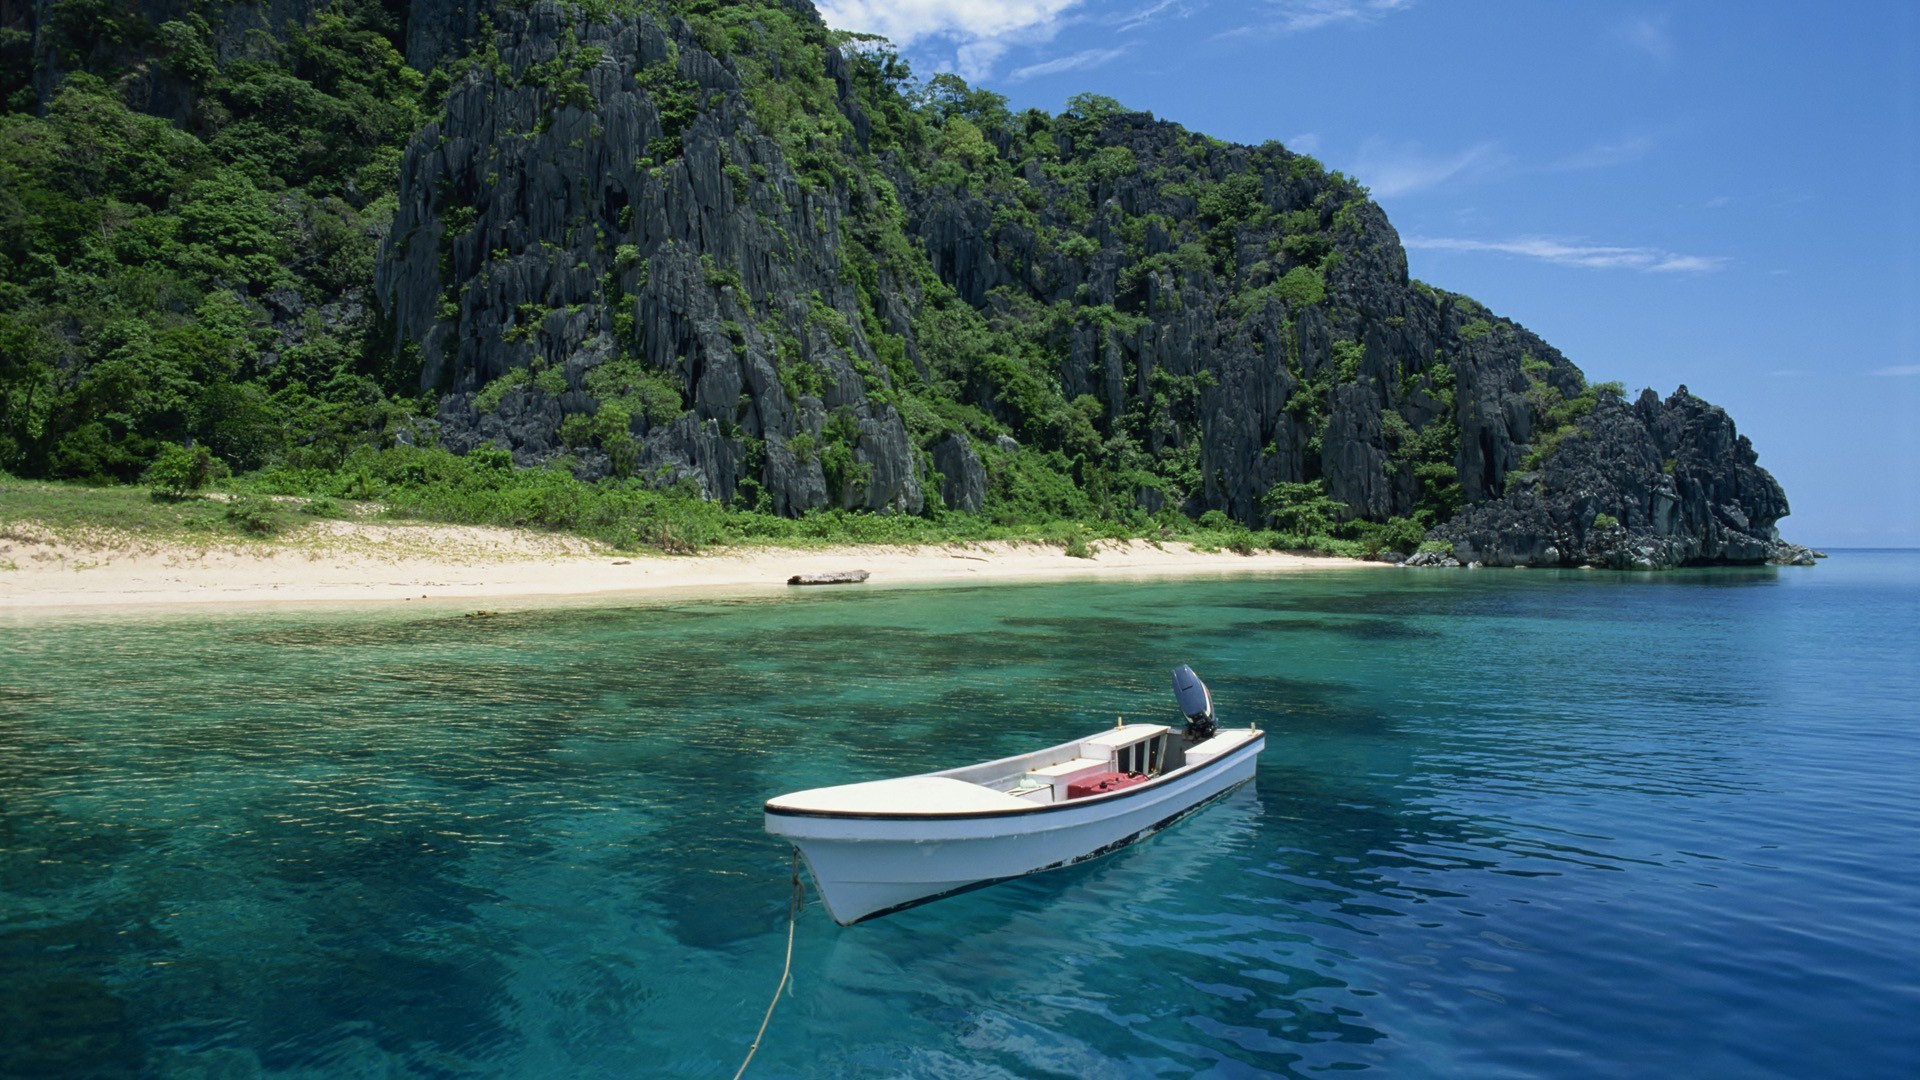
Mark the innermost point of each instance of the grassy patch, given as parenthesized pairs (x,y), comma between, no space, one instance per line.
(88,515)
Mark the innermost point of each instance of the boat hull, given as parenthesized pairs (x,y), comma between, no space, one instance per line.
(865,866)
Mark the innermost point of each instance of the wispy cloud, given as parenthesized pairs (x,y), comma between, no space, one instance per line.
(1648,35)
(1399,170)
(1567,253)
(1300,16)
(1307,142)
(1134,20)
(1079,61)
(1605,155)
(1296,16)
(909,21)
(978,32)
(1900,371)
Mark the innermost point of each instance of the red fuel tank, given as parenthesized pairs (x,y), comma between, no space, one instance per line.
(1100,783)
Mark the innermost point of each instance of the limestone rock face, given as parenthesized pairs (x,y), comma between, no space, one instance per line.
(538,233)
(598,205)
(963,485)
(1647,486)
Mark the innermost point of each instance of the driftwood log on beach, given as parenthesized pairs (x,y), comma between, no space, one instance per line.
(841,577)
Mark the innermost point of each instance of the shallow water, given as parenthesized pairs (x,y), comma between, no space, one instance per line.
(1507,824)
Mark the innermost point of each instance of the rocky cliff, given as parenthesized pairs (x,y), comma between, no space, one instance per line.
(1646,486)
(725,249)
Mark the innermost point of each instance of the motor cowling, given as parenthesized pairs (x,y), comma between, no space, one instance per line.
(1195,703)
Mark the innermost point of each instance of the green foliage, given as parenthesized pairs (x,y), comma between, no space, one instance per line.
(1475,330)
(962,141)
(1557,416)
(492,394)
(1429,454)
(676,100)
(256,515)
(719,277)
(1079,246)
(1235,199)
(1602,522)
(625,390)
(178,470)
(1301,287)
(564,76)
(133,252)
(1305,509)
(1110,163)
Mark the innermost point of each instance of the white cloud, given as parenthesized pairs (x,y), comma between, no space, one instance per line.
(1900,370)
(1079,61)
(1564,253)
(1307,142)
(908,21)
(1300,16)
(1397,171)
(978,32)
(1605,155)
(1649,35)
(1296,16)
(1151,13)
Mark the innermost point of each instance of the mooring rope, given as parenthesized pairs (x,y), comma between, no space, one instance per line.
(786,971)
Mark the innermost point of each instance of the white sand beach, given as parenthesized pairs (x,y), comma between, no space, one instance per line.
(337,561)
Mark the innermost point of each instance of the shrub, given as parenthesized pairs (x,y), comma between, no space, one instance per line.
(180,470)
(1301,287)
(256,515)
(1305,509)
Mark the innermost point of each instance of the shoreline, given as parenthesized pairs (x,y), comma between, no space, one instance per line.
(335,563)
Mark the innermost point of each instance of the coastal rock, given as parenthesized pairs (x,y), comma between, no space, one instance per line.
(1781,553)
(1646,486)
(963,484)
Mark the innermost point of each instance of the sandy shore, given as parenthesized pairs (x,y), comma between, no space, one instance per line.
(333,562)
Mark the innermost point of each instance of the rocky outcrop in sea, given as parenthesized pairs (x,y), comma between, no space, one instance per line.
(1646,486)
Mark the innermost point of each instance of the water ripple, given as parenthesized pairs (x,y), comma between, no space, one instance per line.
(1507,825)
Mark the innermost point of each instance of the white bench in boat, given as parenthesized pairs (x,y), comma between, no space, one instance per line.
(1031,789)
(902,795)
(1222,743)
(1115,738)
(1066,772)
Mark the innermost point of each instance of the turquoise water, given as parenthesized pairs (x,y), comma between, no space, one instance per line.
(1507,824)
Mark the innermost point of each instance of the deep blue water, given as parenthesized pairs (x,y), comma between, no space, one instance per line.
(1507,824)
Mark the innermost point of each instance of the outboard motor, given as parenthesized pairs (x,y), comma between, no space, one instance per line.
(1195,702)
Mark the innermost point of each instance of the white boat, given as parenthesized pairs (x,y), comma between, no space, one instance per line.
(877,847)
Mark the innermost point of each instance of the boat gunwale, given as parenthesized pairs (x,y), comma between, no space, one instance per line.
(1258,738)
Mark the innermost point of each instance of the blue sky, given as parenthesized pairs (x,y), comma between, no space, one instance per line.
(1725,195)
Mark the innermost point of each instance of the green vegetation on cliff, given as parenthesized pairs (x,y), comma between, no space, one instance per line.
(710,272)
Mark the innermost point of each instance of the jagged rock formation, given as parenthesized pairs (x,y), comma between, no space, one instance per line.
(534,233)
(1645,486)
(724,249)
(527,234)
